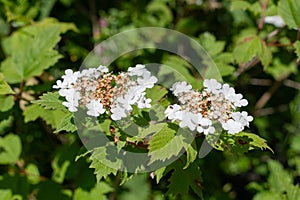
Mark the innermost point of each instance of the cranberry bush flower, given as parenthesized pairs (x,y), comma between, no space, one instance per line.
(101,92)
(200,110)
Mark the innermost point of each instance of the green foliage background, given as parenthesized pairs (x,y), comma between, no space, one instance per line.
(38,140)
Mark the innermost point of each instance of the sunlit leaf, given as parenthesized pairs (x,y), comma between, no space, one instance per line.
(50,100)
(6,102)
(169,141)
(289,11)
(4,87)
(11,148)
(297,49)
(30,50)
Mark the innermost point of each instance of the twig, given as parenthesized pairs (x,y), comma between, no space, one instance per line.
(268,94)
(269,111)
(23,170)
(113,195)
(260,82)
(292,84)
(262,19)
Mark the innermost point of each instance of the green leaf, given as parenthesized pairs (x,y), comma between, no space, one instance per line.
(10,149)
(156,93)
(6,102)
(30,50)
(256,142)
(289,11)
(176,69)
(101,164)
(50,100)
(248,49)
(61,120)
(137,188)
(223,61)
(6,194)
(297,49)
(59,169)
(4,87)
(189,178)
(151,129)
(277,68)
(96,193)
(66,124)
(159,173)
(268,195)
(239,5)
(82,153)
(265,56)
(279,179)
(209,43)
(33,173)
(191,153)
(169,141)
(238,143)
(46,7)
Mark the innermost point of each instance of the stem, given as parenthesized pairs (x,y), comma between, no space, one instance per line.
(20,165)
(263,14)
(113,195)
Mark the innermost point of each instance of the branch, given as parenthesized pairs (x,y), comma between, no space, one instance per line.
(268,94)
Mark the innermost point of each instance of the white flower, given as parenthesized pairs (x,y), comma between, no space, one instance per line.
(189,120)
(238,100)
(70,77)
(147,80)
(102,68)
(233,126)
(72,98)
(276,20)
(143,102)
(212,86)
(138,70)
(124,103)
(134,94)
(59,84)
(227,91)
(95,108)
(173,112)
(205,126)
(118,113)
(180,87)
(242,117)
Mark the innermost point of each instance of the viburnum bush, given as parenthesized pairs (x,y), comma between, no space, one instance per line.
(128,130)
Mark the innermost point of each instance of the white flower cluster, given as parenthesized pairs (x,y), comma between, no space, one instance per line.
(100,91)
(201,110)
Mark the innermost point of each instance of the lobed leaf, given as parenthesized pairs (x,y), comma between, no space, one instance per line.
(102,165)
(189,178)
(50,100)
(30,50)
(168,142)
